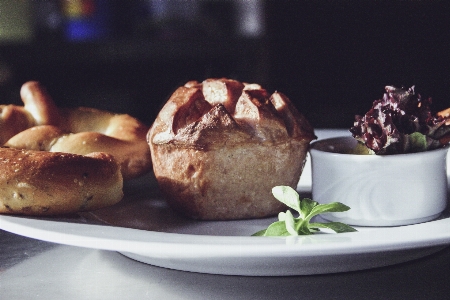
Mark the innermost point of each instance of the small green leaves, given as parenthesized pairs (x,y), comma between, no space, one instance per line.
(417,142)
(288,225)
(288,196)
(361,149)
(275,229)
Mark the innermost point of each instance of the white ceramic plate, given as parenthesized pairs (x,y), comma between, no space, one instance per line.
(226,247)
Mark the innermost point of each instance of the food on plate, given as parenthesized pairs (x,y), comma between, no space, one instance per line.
(219,146)
(402,122)
(44,183)
(40,125)
(307,209)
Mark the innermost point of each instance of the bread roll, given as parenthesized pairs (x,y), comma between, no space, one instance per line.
(220,146)
(48,183)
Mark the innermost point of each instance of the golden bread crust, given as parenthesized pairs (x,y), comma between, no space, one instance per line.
(43,183)
(218,148)
(40,125)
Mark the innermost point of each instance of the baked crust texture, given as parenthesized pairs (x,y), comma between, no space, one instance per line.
(40,125)
(47,183)
(220,146)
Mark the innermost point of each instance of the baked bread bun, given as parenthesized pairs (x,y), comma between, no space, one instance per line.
(220,146)
(47,183)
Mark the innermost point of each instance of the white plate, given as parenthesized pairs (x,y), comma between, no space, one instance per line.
(226,247)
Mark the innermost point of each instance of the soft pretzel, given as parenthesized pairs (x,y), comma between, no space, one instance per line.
(40,125)
(44,183)
(37,110)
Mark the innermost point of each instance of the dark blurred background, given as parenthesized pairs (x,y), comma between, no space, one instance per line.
(331,58)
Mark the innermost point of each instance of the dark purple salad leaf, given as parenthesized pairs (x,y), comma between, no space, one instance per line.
(400,122)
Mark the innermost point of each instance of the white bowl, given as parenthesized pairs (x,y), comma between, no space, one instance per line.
(381,190)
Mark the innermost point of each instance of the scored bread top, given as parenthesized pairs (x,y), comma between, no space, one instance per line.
(218,112)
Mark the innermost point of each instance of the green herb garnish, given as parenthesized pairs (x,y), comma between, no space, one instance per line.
(288,225)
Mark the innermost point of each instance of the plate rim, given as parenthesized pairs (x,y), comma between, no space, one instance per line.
(120,239)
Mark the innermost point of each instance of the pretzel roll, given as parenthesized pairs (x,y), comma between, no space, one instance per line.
(79,131)
(37,110)
(220,146)
(39,104)
(13,119)
(43,183)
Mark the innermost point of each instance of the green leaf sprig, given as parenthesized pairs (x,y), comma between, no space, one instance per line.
(288,225)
